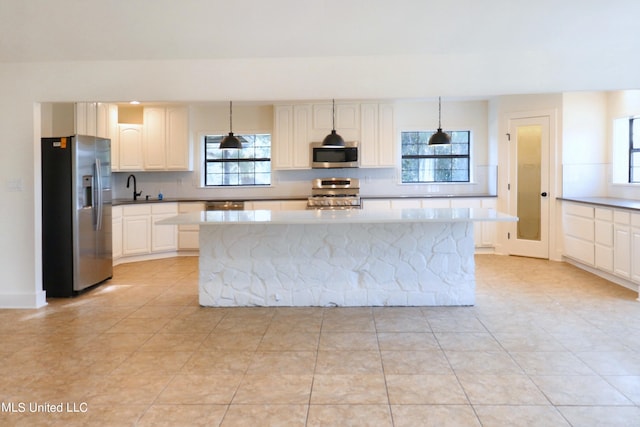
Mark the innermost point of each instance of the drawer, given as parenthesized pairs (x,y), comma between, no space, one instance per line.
(436,203)
(578,210)
(635,220)
(579,227)
(604,214)
(164,208)
(141,209)
(622,217)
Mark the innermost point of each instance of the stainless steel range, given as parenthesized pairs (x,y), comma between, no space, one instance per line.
(335,193)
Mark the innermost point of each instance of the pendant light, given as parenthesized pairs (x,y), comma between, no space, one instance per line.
(439,138)
(333,139)
(230,141)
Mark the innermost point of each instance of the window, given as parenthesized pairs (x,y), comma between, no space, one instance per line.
(634,149)
(422,162)
(249,166)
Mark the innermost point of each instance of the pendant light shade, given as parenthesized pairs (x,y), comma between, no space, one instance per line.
(230,141)
(333,139)
(439,138)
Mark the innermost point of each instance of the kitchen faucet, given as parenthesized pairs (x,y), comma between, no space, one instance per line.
(135,194)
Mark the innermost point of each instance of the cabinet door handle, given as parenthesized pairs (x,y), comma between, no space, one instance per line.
(543,194)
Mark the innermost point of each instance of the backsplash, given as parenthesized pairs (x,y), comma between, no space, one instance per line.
(297,183)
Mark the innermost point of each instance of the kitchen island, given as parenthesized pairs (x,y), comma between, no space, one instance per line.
(358,257)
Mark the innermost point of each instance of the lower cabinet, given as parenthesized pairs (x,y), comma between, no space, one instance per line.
(578,225)
(136,234)
(188,235)
(276,205)
(635,247)
(164,238)
(603,239)
(136,230)
(622,243)
(607,239)
(116,231)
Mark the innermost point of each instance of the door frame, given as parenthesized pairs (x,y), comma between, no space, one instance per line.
(555,182)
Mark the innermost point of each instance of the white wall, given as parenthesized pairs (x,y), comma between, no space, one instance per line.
(621,104)
(585,144)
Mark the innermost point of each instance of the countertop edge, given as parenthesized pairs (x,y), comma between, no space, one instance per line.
(121,202)
(357,216)
(610,202)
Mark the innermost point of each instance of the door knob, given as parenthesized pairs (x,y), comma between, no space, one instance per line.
(544,194)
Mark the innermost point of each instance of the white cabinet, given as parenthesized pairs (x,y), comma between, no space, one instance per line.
(276,205)
(291,136)
(85,120)
(371,204)
(406,203)
(166,138)
(136,234)
(603,239)
(635,247)
(293,205)
(95,119)
(622,243)
(154,139)
(114,136)
(188,235)
(116,231)
(179,152)
(296,126)
(607,238)
(578,225)
(377,135)
(130,153)
(136,229)
(164,238)
(347,121)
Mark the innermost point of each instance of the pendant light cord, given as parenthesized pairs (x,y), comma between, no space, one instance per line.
(333,114)
(439,113)
(230,116)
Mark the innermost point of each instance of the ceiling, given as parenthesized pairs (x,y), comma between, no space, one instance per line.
(61,30)
(589,44)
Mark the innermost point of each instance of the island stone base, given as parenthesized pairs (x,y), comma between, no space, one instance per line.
(345,264)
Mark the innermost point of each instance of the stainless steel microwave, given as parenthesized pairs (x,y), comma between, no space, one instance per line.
(329,156)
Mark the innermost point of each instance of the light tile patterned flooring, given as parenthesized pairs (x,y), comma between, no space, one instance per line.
(546,345)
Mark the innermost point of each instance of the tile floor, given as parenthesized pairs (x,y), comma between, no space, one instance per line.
(546,345)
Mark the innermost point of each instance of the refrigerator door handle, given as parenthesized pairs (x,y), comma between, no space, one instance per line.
(98,194)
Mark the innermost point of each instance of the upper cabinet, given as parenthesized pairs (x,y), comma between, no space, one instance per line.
(165,139)
(377,135)
(297,125)
(96,119)
(291,130)
(347,121)
(129,152)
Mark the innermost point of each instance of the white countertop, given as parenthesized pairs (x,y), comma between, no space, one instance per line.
(611,202)
(353,216)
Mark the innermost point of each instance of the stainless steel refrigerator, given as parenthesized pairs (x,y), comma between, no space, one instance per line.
(76,214)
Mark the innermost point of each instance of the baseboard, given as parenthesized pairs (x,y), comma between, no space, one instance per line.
(150,257)
(30,300)
(605,275)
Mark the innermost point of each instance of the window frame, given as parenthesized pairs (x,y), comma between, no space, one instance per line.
(468,156)
(206,161)
(633,151)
